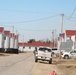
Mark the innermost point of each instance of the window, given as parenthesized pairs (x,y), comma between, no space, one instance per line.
(54,49)
(4,38)
(73,51)
(45,49)
(23,47)
(29,47)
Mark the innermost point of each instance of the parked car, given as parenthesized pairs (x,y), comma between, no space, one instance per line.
(70,54)
(57,51)
(44,54)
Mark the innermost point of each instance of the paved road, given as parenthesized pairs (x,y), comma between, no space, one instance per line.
(23,64)
(20,64)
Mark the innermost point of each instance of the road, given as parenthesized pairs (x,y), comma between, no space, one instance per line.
(20,64)
(23,64)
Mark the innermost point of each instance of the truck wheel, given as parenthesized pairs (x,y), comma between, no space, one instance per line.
(50,62)
(66,57)
(36,60)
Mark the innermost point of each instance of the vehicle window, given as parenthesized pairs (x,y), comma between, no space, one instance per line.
(72,52)
(75,51)
(45,49)
(41,49)
(54,49)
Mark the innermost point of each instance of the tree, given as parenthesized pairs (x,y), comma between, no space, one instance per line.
(31,40)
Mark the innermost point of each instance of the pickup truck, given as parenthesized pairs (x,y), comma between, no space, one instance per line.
(44,54)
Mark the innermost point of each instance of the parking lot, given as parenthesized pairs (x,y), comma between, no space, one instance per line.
(23,64)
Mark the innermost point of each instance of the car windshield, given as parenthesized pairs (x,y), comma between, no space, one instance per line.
(74,51)
(45,49)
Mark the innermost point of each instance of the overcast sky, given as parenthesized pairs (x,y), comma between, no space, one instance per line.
(36,19)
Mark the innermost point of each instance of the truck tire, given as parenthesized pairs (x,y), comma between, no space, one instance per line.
(66,57)
(50,62)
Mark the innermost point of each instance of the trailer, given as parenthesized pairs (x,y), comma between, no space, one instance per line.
(16,44)
(1,39)
(6,40)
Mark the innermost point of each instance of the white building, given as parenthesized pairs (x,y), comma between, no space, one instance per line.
(6,40)
(12,40)
(68,35)
(1,39)
(16,42)
(23,47)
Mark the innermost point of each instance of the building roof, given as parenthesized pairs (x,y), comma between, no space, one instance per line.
(70,32)
(16,36)
(35,44)
(12,35)
(1,29)
(7,33)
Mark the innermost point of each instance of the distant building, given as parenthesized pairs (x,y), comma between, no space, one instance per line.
(68,40)
(1,39)
(6,40)
(31,46)
(70,34)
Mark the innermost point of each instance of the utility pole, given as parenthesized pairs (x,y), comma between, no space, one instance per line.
(53,37)
(62,15)
(13,29)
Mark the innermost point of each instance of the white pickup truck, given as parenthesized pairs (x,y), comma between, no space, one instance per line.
(43,53)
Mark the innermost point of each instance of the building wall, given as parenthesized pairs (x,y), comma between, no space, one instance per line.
(66,44)
(1,40)
(29,48)
(20,48)
(74,41)
(12,42)
(26,48)
(16,44)
(7,42)
(73,38)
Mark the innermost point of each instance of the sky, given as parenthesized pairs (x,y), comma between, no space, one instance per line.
(37,19)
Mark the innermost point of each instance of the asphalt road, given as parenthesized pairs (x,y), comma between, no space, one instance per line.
(23,64)
(17,64)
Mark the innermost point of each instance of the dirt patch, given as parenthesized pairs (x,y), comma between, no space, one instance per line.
(61,66)
(67,67)
(4,54)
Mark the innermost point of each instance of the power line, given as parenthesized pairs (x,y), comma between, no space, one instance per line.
(16,28)
(72,20)
(30,20)
(6,26)
(32,30)
(22,11)
(69,16)
(72,13)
